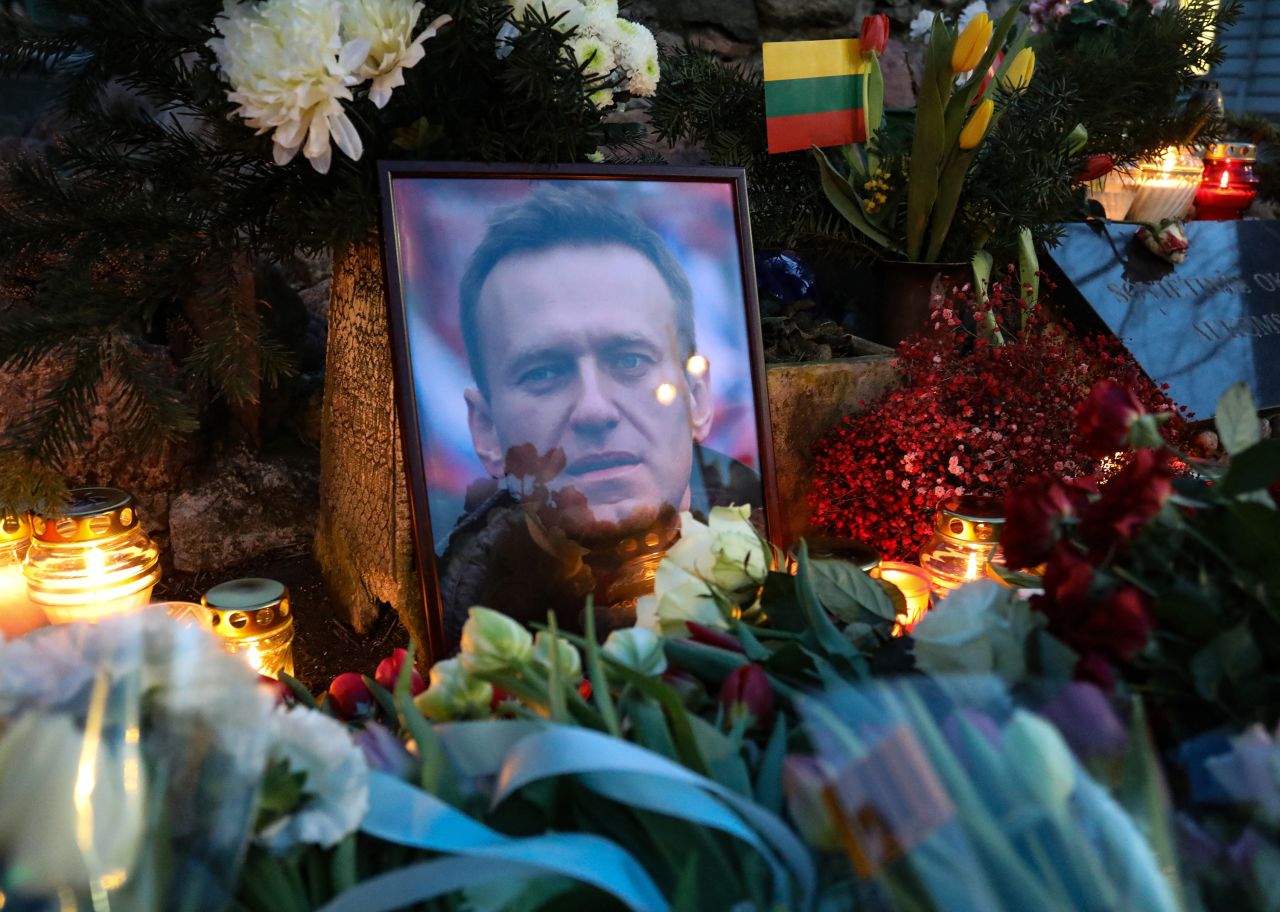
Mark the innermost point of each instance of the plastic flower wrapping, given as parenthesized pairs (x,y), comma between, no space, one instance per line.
(131,754)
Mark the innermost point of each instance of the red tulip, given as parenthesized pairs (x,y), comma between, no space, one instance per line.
(584,689)
(388,673)
(708,636)
(747,691)
(1095,166)
(350,696)
(1104,419)
(875,34)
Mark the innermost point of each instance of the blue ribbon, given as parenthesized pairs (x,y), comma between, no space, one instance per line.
(625,772)
(405,815)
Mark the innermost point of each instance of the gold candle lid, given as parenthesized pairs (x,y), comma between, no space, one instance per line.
(14,528)
(249,608)
(970,518)
(1241,151)
(90,514)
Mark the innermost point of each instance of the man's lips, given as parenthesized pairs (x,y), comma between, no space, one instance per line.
(597,465)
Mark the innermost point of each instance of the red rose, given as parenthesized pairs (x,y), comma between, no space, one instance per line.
(1127,616)
(747,691)
(1104,419)
(875,34)
(1128,501)
(1068,579)
(1095,166)
(388,673)
(350,696)
(1033,513)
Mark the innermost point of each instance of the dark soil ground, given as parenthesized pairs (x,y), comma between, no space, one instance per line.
(323,646)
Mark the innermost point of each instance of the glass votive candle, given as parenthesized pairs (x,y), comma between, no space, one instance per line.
(18,614)
(1166,185)
(92,560)
(913,583)
(1229,184)
(966,532)
(822,547)
(253,617)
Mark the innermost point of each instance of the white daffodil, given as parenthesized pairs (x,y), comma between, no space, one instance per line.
(335,792)
(388,27)
(289,72)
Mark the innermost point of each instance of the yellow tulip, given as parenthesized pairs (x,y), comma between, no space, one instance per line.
(971,44)
(976,128)
(1020,70)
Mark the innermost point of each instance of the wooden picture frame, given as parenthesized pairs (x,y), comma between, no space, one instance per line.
(532,309)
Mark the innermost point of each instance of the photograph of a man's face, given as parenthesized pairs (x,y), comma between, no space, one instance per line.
(582,372)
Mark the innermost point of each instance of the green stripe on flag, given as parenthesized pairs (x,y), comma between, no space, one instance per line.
(818,95)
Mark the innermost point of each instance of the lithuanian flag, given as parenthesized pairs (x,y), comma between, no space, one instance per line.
(813,93)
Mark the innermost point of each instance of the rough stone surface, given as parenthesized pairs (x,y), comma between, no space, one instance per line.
(736,18)
(805,400)
(243,506)
(801,16)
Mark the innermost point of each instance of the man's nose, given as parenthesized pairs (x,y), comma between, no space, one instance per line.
(595,410)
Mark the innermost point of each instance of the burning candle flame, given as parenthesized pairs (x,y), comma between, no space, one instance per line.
(971,571)
(1222,184)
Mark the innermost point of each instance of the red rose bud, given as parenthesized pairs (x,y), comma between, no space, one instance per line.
(350,696)
(1033,514)
(875,34)
(708,636)
(1068,583)
(747,691)
(1126,616)
(499,697)
(1105,418)
(584,689)
(388,673)
(1095,166)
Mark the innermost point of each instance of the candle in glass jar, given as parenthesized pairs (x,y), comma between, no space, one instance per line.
(92,560)
(913,583)
(18,614)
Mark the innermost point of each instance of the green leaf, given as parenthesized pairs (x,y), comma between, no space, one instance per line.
(1253,469)
(784,608)
(435,773)
(928,144)
(599,680)
(343,873)
(849,593)
(1029,268)
(873,107)
(944,208)
(768,791)
(824,631)
(1232,655)
(1237,419)
(300,693)
(845,201)
(382,696)
(281,791)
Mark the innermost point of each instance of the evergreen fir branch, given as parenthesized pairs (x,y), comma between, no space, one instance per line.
(52,429)
(144,406)
(27,483)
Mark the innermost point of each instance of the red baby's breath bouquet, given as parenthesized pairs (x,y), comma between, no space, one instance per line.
(986,402)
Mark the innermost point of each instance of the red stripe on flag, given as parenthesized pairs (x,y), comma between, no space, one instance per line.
(830,128)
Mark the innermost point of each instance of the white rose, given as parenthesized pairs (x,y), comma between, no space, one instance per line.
(638,649)
(980,628)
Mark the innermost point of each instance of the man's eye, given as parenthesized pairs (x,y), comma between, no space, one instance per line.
(631,361)
(543,375)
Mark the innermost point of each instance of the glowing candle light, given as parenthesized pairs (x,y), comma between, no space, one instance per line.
(18,614)
(92,560)
(1229,184)
(913,583)
(253,617)
(966,532)
(1166,186)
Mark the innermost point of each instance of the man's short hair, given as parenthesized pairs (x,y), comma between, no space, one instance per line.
(552,217)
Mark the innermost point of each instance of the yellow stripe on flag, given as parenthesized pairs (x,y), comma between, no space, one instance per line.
(808,59)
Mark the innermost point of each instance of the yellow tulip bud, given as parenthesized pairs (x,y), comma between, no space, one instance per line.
(971,44)
(976,128)
(1020,70)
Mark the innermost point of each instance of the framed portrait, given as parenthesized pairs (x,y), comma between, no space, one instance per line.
(577,361)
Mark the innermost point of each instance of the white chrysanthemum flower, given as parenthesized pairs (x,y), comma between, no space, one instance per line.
(636,51)
(594,54)
(388,27)
(600,18)
(290,72)
(336,788)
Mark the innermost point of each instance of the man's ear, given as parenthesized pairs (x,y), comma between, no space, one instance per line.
(702,407)
(484,437)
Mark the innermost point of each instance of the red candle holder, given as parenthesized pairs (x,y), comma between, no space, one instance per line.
(1228,185)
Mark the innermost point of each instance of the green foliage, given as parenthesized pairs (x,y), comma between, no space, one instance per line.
(158,199)
(719,109)
(1128,76)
